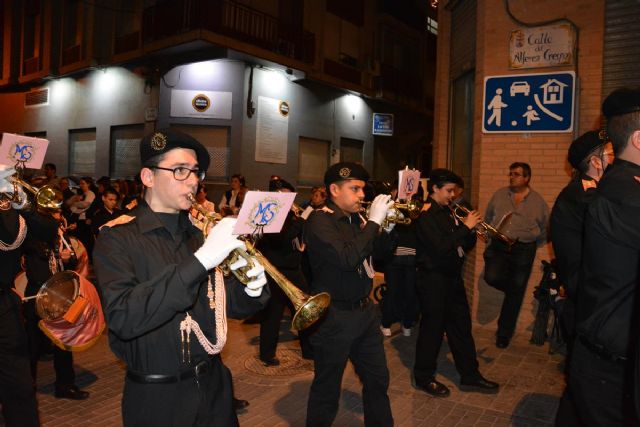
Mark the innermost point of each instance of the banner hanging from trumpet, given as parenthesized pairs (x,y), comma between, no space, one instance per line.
(408,183)
(24,150)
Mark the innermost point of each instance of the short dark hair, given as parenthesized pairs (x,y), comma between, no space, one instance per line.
(240,178)
(620,128)
(583,166)
(110,190)
(50,166)
(440,177)
(526,169)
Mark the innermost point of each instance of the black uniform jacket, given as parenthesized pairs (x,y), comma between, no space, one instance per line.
(338,245)
(439,237)
(41,241)
(566,223)
(148,281)
(607,301)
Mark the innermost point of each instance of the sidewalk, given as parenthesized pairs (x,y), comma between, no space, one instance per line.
(531,382)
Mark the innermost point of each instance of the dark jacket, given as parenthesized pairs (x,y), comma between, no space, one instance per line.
(440,240)
(607,300)
(566,226)
(338,246)
(148,280)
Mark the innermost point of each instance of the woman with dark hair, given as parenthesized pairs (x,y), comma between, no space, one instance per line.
(232,199)
(443,240)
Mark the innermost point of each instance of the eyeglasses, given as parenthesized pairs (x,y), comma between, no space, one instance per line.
(608,153)
(181,173)
(514,174)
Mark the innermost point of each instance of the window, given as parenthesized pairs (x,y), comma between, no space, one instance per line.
(313,160)
(216,141)
(351,150)
(432,26)
(124,157)
(82,152)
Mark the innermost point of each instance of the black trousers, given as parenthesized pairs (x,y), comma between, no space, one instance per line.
(349,335)
(445,309)
(17,395)
(600,390)
(205,401)
(509,271)
(400,302)
(272,316)
(38,342)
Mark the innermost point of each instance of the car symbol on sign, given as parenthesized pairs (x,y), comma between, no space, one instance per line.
(520,87)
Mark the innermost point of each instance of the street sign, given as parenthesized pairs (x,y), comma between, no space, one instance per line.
(383,124)
(531,103)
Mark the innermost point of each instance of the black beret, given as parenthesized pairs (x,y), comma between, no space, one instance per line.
(345,170)
(583,146)
(621,101)
(162,141)
(277,183)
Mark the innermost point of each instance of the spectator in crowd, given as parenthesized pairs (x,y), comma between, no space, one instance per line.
(232,199)
(522,214)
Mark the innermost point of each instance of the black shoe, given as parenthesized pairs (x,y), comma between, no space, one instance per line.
(502,342)
(432,387)
(273,361)
(70,392)
(479,384)
(240,405)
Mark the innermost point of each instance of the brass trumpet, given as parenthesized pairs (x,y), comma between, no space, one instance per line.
(397,217)
(46,197)
(483,229)
(308,308)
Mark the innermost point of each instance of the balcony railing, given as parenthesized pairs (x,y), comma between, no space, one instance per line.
(231,19)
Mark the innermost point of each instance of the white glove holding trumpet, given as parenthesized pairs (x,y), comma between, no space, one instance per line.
(219,244)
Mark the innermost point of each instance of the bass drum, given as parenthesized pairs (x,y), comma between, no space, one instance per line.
(70,310)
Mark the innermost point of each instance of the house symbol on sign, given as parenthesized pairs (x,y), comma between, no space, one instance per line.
(553,92)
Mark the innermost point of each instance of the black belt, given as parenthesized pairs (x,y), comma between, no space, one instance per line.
(600,351)
(360,304)
(197,371)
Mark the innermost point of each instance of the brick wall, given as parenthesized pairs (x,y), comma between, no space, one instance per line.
(492,153)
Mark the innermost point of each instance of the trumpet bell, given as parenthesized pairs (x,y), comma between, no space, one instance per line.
(49,198)
(310,311)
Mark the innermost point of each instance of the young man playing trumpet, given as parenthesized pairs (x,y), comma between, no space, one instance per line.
(443,241)
(165,301)
(340,243)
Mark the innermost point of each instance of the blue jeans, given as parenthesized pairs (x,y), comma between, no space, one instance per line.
(509,271)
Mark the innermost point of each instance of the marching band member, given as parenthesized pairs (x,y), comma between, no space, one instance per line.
(17,395)
(164,301)
(443,241)
(340,244)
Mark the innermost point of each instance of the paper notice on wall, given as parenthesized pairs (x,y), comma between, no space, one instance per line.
(408,180)
(271,131)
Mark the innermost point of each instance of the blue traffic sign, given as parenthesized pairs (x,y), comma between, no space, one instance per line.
(529,103)
(382,124)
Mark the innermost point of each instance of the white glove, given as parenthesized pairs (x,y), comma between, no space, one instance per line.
(5,185)
(219,244)
(305,213)
(379,208)
(254,287)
